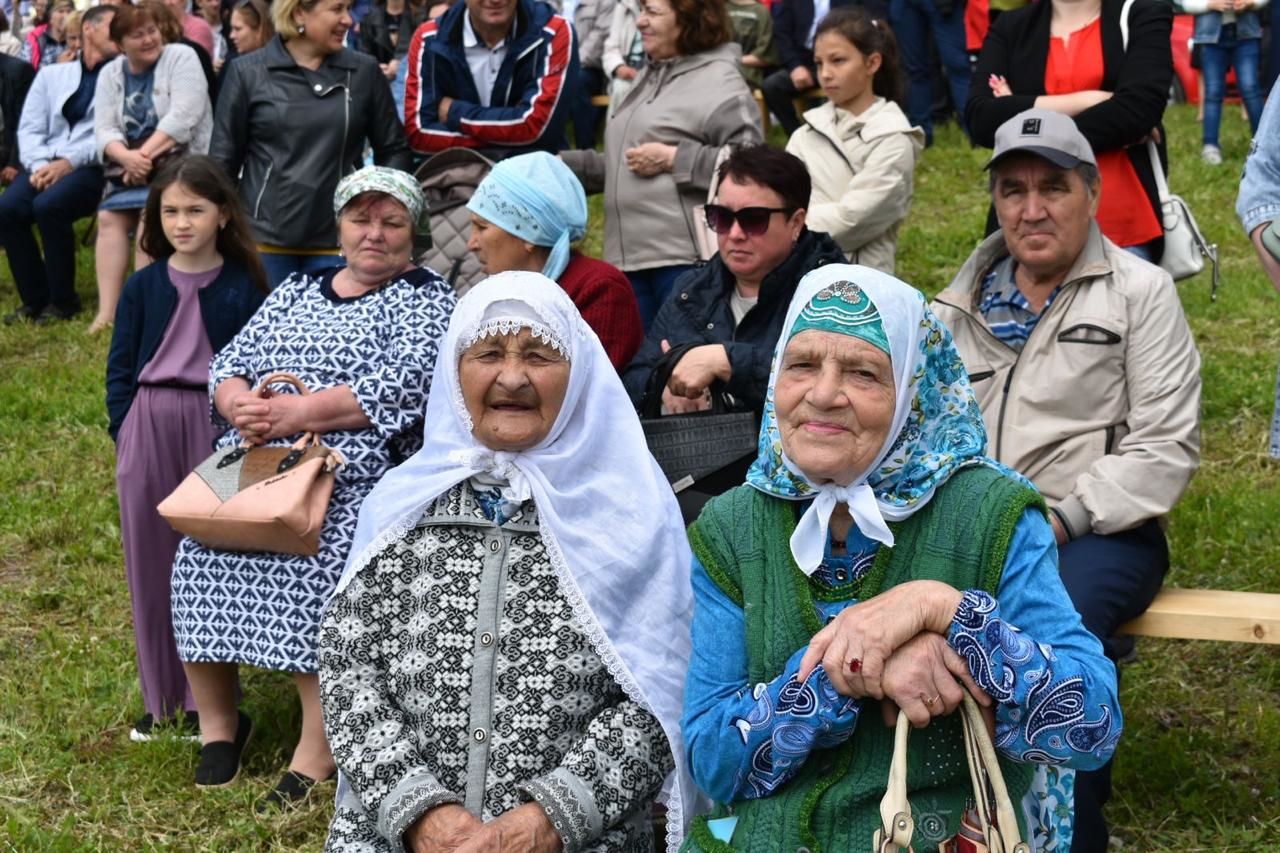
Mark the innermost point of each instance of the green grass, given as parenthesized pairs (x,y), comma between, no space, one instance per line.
(1198,769)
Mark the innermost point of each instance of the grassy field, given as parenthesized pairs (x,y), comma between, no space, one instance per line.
(1198,769)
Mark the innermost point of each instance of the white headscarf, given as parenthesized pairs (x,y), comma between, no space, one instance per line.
(937,426)
(610,521)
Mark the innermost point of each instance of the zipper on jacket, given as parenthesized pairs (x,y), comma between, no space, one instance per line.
(257,205)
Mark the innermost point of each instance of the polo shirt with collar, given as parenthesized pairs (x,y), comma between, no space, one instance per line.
(483,61)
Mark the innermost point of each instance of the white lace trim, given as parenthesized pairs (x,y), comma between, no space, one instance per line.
(512,325)
(671,794)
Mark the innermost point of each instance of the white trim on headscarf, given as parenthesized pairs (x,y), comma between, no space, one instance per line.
(609,520)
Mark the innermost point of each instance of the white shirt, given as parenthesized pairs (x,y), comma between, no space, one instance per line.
(483,61)
(569,9)
(820,10)
(739,305)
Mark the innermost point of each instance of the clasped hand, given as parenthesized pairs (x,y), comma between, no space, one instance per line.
(137,167)
(263,415)
(651,158)
(898,641)
(453,829)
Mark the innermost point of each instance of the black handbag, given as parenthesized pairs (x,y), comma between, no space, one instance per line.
(703,453)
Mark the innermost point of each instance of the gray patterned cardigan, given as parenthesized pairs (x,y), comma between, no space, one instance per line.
(452,670)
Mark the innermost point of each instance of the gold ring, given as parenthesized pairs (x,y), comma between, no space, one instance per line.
(928,703)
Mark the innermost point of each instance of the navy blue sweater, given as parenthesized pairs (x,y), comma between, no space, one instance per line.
(146,307)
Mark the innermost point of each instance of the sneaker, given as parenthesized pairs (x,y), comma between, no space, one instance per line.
(220,761)
(25,313)
(292,789)
(147,729)
(1212,155)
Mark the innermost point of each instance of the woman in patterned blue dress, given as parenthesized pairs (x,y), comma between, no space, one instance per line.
(364,339)
(875,553)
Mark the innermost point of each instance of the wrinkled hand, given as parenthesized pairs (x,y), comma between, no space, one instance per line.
(697,369)
(50,173)
(651,158)
(265,416)
(524,829)
(1243,5)
(136,165)
(442,110)
(673,405)
(920,678)
(801,78)
(872,630)
(7,174)
(441,830)
(999,86)
(625,72)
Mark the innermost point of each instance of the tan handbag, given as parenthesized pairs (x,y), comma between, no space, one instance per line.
(996,819)
(258,498)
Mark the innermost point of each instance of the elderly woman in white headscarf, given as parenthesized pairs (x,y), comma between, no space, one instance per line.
(503,661)
(875,553)
(525,215)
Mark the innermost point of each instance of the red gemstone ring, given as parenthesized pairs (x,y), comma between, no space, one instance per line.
(855,665)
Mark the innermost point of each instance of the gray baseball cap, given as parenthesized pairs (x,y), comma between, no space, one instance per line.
(1045,133)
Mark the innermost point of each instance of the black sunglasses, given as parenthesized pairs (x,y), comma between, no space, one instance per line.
(753,221)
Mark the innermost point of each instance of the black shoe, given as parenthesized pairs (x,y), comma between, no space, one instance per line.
(290,791)
(53,313)
(220,761)
(148,729)
(24,314)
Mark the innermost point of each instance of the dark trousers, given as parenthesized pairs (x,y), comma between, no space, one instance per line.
(779,97)
(913,23)
(1111,579)
(52,278)
(586,117)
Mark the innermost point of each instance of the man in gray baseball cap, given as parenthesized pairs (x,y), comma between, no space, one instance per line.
(1089,383)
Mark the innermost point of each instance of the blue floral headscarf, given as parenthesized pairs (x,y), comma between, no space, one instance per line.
(937,426)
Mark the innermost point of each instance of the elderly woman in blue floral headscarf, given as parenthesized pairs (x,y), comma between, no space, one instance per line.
(876,555)
(526,215)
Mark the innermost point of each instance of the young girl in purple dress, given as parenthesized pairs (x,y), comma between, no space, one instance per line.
(173,316)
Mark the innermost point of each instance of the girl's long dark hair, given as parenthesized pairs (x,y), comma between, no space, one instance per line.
(869,35)
(204,176)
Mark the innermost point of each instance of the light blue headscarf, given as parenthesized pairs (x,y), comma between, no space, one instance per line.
(537,198)
(937,426)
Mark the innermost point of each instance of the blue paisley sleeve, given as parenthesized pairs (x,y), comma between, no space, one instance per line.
(744,740)
(1056,692)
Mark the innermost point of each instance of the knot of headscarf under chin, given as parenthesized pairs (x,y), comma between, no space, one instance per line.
(808,541)
(499,464)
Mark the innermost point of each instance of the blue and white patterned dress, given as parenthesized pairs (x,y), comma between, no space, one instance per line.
(264,609)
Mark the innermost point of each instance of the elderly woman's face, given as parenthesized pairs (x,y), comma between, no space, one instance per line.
(513,387)
(834,401)
(499,251)
(142,47)
(659,29)
(376,235)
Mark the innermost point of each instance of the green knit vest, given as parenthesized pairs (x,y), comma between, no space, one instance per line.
(960,537)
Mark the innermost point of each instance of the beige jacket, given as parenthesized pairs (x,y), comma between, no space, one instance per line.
(699,104)
(1101,410)
(862,168)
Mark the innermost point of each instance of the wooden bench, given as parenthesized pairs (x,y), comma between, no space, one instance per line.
(1210,614)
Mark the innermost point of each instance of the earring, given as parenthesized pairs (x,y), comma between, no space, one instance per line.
(301,29)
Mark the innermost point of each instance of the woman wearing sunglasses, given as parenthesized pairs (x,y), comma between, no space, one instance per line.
(733,306)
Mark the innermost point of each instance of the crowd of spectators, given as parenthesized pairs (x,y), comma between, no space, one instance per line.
(251,163)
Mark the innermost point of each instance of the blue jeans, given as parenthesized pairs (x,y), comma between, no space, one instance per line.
(279,267)
(652,287)
(1215,59)
(913,21)
(1110,579)
(51,278)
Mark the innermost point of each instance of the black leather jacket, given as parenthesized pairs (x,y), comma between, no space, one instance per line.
(291,134)
(15,80)
(375,31)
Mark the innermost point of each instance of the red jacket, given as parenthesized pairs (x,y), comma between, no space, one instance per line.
(604,298)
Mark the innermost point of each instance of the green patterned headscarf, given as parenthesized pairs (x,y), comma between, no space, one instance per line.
(401,186)
(844,308)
